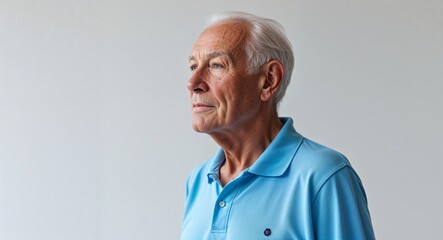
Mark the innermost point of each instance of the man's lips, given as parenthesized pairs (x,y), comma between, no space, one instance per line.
(201,107)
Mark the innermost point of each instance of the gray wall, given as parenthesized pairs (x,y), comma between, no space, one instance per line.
(95,136)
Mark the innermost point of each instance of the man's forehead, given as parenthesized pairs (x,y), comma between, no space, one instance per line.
(229,30)
(208,55)
(220,39)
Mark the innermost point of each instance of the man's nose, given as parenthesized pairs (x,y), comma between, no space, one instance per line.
(197,82)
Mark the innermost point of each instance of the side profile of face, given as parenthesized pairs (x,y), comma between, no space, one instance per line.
(224,96)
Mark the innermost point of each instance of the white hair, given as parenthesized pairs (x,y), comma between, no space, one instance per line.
(268,41)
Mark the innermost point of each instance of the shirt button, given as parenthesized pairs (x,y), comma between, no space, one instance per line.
(222,204)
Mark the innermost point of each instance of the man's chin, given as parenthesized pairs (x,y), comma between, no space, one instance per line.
(200,125)
(199,128)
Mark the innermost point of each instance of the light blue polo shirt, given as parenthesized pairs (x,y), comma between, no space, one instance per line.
(297,189)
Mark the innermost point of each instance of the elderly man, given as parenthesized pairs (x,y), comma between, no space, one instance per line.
(267,181)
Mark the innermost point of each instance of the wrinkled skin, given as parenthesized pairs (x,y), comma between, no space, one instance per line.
(224,95)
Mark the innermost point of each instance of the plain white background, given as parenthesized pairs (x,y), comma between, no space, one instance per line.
(95,131)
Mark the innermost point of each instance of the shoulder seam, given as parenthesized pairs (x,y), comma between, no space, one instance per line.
(328,176)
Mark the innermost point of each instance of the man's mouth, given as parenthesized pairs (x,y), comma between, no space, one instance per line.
(201,107)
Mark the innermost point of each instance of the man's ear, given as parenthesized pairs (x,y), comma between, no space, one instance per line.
(274,72)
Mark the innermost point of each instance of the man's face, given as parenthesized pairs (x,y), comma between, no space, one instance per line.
(224,95)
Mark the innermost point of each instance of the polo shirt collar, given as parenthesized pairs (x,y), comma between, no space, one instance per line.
(276,158)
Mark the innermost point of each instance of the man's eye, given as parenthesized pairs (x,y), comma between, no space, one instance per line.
(193,67)
(216,66)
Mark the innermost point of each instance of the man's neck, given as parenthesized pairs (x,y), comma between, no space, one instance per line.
(244,146)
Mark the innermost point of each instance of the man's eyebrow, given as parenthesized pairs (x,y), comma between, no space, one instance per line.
(210,55)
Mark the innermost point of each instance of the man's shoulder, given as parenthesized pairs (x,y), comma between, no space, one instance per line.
(318,162)
(318,154)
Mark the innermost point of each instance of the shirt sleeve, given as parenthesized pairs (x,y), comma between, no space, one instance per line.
(340,208)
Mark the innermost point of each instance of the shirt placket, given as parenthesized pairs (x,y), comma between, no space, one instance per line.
(223,205)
